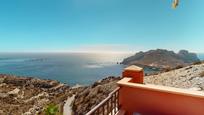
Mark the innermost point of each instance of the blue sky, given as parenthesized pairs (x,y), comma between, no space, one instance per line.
(100,25)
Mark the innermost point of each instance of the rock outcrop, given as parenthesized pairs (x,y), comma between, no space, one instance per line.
(188,57)
(162,58)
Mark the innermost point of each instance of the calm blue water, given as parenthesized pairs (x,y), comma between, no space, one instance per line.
(201,56)
(70,68)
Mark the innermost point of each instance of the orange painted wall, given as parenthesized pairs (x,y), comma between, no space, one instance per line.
(138,76)
(151,102)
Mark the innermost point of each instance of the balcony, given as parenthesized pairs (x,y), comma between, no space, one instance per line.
(132,97)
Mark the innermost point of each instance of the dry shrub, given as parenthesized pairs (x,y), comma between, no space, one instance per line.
(167,69)
(202,74)
(178,67)
(197,63)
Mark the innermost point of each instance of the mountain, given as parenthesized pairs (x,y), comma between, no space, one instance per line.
(162,58)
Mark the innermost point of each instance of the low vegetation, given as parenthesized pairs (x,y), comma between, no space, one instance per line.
(52,109)
(179,67)
(170,69)
(197,63)
(202,74)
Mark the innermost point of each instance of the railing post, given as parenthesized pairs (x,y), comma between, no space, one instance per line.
(135,72)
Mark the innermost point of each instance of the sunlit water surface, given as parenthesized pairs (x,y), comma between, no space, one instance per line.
(70,68)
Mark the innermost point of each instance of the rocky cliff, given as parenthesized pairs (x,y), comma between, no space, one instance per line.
(162,58)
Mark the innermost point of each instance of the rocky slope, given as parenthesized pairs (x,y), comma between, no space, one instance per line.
(162,58)
(190,77)
(92,95)
(29,96)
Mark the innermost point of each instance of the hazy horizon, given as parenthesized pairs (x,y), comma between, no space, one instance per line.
(94,52)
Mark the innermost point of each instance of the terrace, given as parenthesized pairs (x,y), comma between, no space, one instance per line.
(133,97)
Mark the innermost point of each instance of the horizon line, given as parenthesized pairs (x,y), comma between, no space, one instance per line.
(103,52)
(108,52)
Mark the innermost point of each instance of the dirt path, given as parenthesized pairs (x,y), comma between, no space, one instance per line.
(67,110)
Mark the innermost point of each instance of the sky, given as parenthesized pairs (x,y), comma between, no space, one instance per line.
(100,25)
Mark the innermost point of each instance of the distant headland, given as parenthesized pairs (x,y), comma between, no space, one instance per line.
(162,58)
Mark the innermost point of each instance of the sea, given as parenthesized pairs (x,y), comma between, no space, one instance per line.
(69,68)
(201,56)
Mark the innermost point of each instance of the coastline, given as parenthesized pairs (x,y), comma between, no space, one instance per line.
(32,95)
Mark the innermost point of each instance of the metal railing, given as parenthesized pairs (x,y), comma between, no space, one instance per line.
(109,106)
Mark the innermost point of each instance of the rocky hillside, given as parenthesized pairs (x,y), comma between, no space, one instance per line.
(162,58)
(30,96)
(190,77)
(92,95)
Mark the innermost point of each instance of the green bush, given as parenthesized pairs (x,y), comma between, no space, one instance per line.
(52,109)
